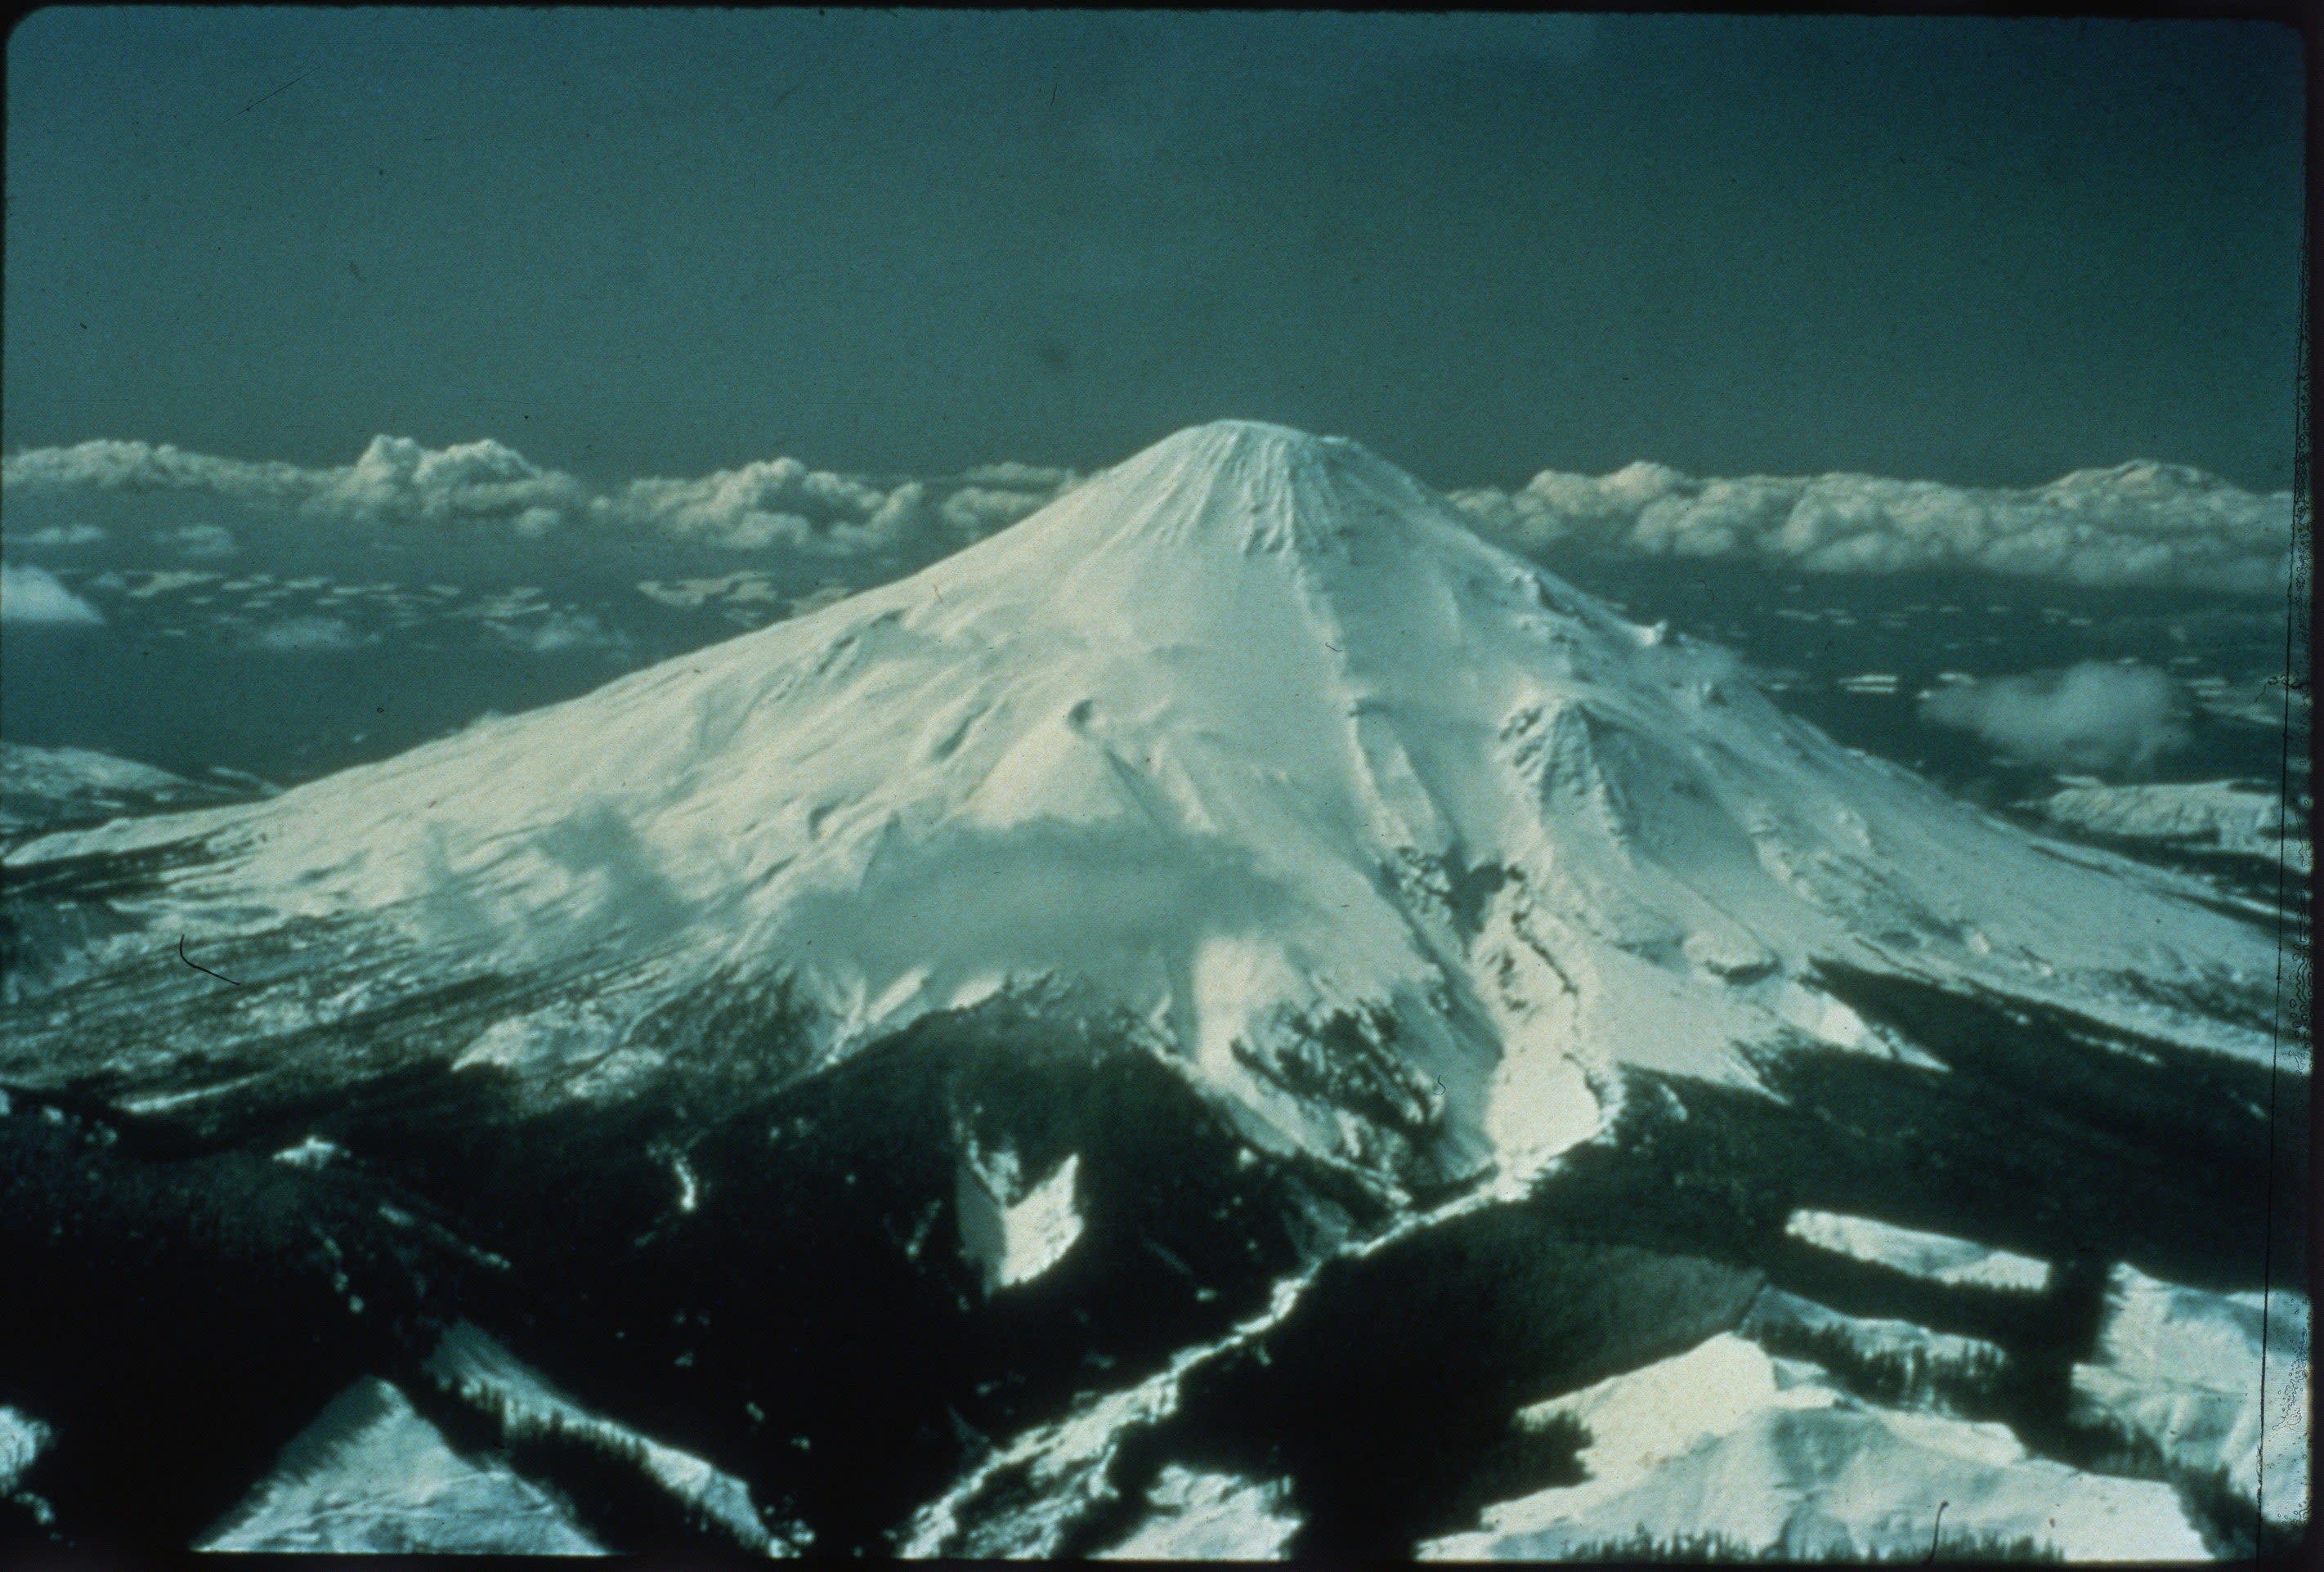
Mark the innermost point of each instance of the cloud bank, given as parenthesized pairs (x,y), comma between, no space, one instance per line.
(2138,523)
(2103,719)
(778,503)
(558,632)
(34,598)
(62,535)
(203,540)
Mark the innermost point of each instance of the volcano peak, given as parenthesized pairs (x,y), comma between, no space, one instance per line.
(1264,440)
(1246,451)
(1248,486)
(1219,737)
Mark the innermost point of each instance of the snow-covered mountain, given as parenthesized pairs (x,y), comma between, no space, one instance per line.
(46,789)
(1231,1018)
(1397,845)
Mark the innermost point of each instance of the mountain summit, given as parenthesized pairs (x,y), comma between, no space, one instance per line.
(1248,486)
(1398,846)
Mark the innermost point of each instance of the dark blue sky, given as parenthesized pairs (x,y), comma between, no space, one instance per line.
(1976,251)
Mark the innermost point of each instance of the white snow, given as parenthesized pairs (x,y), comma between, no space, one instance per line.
(1015,1239)
(1211,738)
(59,771)
(1935,1257)
(1642,1420)
(2219,815)
(40,786)
(2185,1369)
(1771,1455)
(1209,1517)
(1022,1499)
(1042,1227)
(370,1476)
(1918,1353)
(22,1438)
(1064,1463)
(312,1152)
(469,1362)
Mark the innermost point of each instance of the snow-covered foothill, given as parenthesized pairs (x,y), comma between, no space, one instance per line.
(371,1475)
(2219,1383)
(1937,1258)
(1209,1517)
(1771,1456)
(470,1363)
(1251,739)
(55,772)
(2224,816)
(44,788)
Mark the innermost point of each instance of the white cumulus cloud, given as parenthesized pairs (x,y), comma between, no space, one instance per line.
(558,632)
(206,541)
(1013,475)
(2110,720)
(767,505)
(398,481)
(62,535)
(2138,523)
(774,502)
(2141,523)
(309,635)
(34,596)
(686,594)
(108,465)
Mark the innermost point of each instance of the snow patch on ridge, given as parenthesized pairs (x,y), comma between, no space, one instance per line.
(1057,1473)
(371,1475)
(1016,1237)
(1209,1517)
(470,1363)
(1024,1499)
(1935,1257)
(312,1152)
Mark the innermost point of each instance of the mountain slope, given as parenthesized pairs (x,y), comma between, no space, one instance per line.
(49,789)
(1395,843)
